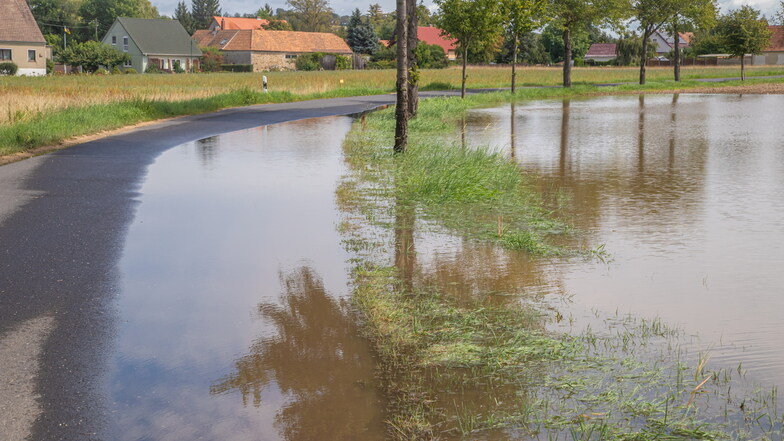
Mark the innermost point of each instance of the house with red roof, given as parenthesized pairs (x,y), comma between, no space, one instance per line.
(432,35)
(602,52)
(21,41)
(237,23)
(664,42)
(269,50)
(774,53)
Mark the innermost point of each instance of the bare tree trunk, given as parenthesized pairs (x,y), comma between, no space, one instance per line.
(644,56)
(465,62)
(567,67)
(677,57)
(401,111)
(413,80)
(742,67)
(514,63)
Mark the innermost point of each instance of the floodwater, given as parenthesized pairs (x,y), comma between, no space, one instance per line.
(233,315)
(685,192)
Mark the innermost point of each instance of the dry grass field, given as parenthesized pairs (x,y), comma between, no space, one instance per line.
(22,98)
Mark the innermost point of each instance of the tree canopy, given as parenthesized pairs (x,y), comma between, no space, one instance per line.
(310,15)
(360,34)
(743,32)
(202,12)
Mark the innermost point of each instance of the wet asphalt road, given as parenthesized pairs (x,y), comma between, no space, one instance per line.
(63,218)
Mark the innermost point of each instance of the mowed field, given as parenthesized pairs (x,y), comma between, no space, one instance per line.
(22,98)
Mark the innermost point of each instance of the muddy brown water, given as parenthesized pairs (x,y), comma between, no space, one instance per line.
(686,192)
(233,317)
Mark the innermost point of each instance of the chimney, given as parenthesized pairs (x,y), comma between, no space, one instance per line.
(223,23)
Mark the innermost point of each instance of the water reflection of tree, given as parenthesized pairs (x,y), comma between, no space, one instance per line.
(207,149)
(317,360)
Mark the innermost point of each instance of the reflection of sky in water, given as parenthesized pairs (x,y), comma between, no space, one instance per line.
(686,194)
(219,221)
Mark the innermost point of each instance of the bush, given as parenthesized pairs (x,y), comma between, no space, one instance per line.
(382,64)
(8,68)
(211,59)
(343,62)
(130,71)
(116,70)
(579,62)
(237,67)
(101,71)
(309,62)
(152,69)
(177,68)
(91,55)
(49,67)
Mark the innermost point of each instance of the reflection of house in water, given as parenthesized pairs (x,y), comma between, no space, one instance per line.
(314,360)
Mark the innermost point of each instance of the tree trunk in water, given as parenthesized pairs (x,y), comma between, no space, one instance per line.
(567,68)
(677,57)
(742,68)
(413,80)
(514,64)
(401,110)
(465,62)
(644,56)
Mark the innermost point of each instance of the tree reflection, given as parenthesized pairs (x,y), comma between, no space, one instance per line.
(513,141)
(208,150)
(317,360)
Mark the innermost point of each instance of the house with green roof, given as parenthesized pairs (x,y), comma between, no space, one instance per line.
(158,42)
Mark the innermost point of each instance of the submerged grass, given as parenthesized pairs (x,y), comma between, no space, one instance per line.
(456,368)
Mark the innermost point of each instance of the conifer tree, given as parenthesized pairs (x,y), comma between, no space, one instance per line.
(202,12)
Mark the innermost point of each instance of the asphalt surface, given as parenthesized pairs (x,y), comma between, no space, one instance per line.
(63,219)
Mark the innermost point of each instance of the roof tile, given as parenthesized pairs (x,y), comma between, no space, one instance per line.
(18,23)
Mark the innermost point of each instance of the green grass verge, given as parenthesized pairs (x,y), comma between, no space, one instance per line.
(456,366)
(55,127)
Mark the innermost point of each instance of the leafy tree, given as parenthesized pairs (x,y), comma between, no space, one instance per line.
(54,12)
(689,14)
(91,55)
(743,32)
(430,56)
(203,11)
(310,15)
(629,50)
(277,25)
(473,23)
(183,15)
(376,16)
(573,16)
(361,37)
(211,59)
(552,39)
(106,11)
(778,16)
(706,42)
(265,12)
(522,17)
(652,15)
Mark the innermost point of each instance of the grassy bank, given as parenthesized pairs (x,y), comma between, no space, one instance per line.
(459,362)
(47,111)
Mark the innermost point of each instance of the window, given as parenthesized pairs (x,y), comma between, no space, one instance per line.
(291,56)
(31,55)
(128,64)
(125,44)
(114,40)
(5,54)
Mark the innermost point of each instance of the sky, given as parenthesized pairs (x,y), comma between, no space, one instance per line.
(344,7)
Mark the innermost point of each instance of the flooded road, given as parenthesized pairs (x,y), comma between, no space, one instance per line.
(685,192)
(231,306)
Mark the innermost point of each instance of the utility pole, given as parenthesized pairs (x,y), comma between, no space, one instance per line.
(95,21)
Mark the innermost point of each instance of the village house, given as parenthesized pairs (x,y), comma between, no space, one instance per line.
(774,53)
(665,43)
(21,42)
(432,35)
(237,23)
(269,50)
(602,52)
(153,42)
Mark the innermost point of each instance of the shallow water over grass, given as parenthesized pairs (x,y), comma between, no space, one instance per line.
(685,192)
(233,320)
